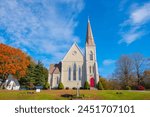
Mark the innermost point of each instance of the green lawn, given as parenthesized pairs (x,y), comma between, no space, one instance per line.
(87,95)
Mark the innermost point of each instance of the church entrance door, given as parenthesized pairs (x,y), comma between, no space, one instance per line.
(92,82)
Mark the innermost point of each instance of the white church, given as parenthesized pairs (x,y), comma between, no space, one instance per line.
(76,68)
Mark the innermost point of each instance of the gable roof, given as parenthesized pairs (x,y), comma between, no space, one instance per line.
(74,44)
(11,78)
(55,68)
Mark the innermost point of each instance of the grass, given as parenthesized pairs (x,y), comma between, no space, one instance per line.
(87,95)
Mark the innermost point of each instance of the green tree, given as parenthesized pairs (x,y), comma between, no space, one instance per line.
(36,75)
(39,74)
(47,85)
(100,86)
(29,80)
(104,82)
(60,85)
(127,88)
(86,85)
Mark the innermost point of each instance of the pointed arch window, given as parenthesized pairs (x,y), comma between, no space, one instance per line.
(74,71)
(91,55)
(69,73)
(93,69)
(79,73)
(57,80)
(90,68)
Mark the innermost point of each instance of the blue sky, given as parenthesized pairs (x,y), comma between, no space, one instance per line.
(46,29)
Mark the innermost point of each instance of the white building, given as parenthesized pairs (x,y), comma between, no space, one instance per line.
(76,68)
(11,83)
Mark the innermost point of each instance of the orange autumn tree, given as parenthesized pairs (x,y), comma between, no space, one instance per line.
(12,61)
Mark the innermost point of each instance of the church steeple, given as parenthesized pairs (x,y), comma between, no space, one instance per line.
(91,67)
(89,35)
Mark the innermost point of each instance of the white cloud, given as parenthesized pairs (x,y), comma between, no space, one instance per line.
(131,37)
(107,62)
(141,14)
(40,26)
(132,27)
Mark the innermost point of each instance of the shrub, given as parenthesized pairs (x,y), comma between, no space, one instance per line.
(31,86)
(140,87)
(81,88)
(133,87)
(60,85)
(3,87)
(100,86)
(147,85)
(86,85)
(67,88)
(47,85)
(105,83)
(127,88)
(119,93)
(74,88)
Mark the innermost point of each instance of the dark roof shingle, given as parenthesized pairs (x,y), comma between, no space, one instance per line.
(55,68)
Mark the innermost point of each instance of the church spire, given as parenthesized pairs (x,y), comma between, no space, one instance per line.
(89,35)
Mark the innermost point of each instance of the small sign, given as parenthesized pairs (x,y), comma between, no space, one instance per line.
(38,90)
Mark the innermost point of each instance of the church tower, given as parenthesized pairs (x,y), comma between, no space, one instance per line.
(91,67)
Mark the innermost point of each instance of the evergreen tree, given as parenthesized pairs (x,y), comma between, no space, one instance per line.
(37,75)
(39,79)
(100,86)
(47,85)
(29,80)
(86,85)
(60,85)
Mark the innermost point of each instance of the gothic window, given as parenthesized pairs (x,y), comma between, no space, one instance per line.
(57,80)
(69,73)
(79,73)
(91,55)
(74,71)
(93,69)
(90,68)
